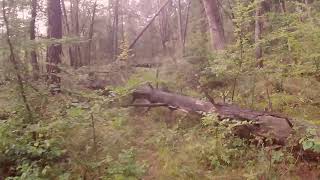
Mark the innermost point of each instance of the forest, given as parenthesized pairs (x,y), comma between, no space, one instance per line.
(159,89)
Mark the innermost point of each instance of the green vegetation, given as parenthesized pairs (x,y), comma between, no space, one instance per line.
(65,101)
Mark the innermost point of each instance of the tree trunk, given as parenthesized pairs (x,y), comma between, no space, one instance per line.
(15,64)
(65,15)
(163,27)
(123,38)
(180,28)
(91,31)
(215,24)
(55,49)
(186,26)
(78,56)
(283,6)
(115,29)
(33,54)
(258,31)
(307,4)
(265,125)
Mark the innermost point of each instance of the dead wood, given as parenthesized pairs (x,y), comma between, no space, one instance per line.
(148,25)
(262,124)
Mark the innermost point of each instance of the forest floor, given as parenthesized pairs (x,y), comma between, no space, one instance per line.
(182,150)
(167,145)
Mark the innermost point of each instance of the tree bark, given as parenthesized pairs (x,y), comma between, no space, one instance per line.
(33,54)
(115,29)
(55,49)
(257,37)
(180,28)
(91,31)
(215,24)
(163,27)
(265,125)
(283,6)
(76,29)
(65,15)
(186,26)
(15,64)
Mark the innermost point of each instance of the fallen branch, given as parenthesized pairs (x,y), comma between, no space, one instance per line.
(148,25)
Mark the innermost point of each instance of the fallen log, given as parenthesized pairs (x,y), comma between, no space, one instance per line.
(266,125)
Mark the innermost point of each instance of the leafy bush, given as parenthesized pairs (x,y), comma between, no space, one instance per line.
(30,151)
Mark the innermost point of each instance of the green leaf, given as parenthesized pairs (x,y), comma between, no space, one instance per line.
(308,144)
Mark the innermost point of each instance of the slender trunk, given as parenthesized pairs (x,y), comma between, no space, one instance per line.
(186,27)
(65,15)
(34,60)
(283,6)
(122,21)
(163,27)
(253,88)
(91,31)
(269,99)
(258,31)
(233,91)
(215,24)
(77,32)
(180,27)
(308,8)
(94,136)
(54,50)
(14,62)
(115,29)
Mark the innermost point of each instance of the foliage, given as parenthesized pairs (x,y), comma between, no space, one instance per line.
(81,134)
(311,142)
(31,151)
(125,167)
(125,51)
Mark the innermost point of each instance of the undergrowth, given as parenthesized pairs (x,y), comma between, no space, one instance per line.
(79,135)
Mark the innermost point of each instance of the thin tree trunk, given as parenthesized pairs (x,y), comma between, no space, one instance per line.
(14,62)
(54,50)
(180,27)
(77,32)
(115,29)
(186,26)
(215,24)
(308,8)
(258,31)
(122,21)
(269,99)
(163,27)
(283,6)
(33,54)
(91,31)
(65,15)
